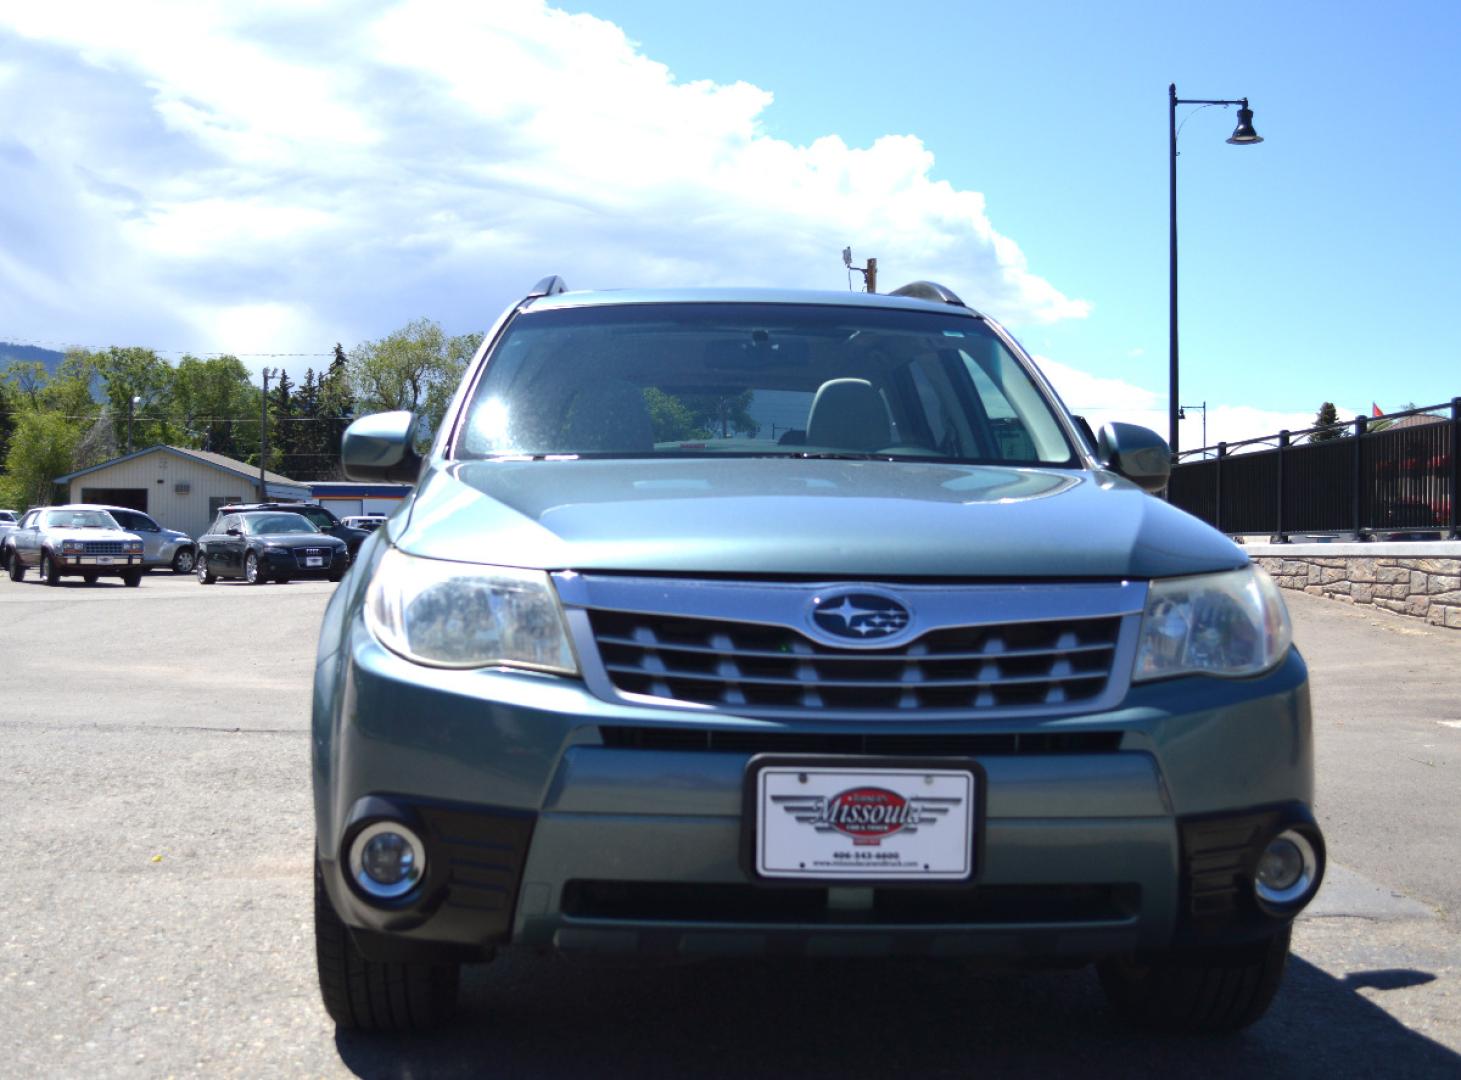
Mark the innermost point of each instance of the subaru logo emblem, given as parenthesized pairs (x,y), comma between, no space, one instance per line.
(859,616)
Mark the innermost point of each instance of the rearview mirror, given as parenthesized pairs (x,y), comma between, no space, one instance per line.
(1137,453)
(381,447)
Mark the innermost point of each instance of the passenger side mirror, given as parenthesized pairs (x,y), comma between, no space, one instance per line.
(1137,453)
(381,447)
(235,531)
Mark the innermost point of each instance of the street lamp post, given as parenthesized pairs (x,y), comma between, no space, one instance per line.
(132,404)
(1182,415)
(1243,135)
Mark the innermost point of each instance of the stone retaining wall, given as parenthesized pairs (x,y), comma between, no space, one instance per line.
(1421,586)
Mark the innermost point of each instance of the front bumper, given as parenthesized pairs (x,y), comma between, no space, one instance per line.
(287,562)
(100,563)
(553,818)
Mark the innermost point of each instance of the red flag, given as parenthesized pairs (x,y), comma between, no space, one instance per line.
(1375,410)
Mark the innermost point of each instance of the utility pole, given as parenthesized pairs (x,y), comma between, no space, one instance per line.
(264,435)
(869,272)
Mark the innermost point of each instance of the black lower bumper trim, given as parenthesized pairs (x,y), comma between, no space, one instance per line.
(474,863)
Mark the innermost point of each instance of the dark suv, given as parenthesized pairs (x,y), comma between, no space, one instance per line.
(318,516)
(799,624)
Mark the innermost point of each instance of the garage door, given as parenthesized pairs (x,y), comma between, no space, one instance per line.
(135,498)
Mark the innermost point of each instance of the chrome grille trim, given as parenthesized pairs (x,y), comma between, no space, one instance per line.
(302,554)
(742,648)
(104,547)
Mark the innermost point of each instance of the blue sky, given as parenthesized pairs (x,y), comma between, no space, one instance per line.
(276,178)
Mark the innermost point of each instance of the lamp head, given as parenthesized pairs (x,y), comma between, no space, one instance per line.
(1243,134)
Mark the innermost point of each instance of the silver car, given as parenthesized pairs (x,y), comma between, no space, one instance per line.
(9,519)
(77,541)
(161,548)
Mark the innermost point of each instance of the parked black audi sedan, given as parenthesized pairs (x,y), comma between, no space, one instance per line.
(268,545)
(319,516)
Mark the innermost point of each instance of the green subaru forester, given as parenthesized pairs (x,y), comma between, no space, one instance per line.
(731,622)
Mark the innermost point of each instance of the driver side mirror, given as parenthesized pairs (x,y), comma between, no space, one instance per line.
(235,531)
(1137,453)
(381,447)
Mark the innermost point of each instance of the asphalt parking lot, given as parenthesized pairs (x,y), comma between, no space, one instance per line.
(155,918)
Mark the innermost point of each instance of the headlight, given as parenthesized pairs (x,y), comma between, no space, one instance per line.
(72,545)
(1228,624)
(461,615)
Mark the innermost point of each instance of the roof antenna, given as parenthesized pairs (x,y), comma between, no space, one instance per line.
(869,272)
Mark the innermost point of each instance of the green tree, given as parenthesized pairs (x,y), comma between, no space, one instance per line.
(9,408)
(27,379)
(137,384)
(213,405)
(416,368)
(42,447)
(1327,421)
(281,427)
(671,419)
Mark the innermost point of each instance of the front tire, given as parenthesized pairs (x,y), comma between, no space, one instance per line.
(16,569)
(132,578)
(370,995)
(1209,991)
(50,572)
(182,562)
(251,570)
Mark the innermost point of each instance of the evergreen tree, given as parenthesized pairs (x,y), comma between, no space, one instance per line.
(337,407)
(282,429)
(1327,421)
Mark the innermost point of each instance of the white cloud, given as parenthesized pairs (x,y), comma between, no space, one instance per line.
(181,163)
(1101,400)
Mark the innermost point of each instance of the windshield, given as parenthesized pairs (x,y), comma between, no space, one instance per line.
(758,379)
(319,517)
(79,519)
(276,524)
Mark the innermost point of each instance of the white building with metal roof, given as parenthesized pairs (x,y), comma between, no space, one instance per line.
(181,488)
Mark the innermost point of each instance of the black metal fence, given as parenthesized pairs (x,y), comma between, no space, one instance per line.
(1398,474)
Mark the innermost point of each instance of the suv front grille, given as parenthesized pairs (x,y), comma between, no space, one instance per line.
(753,666)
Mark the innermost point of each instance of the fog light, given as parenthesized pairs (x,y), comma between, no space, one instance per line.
(1287,870)
(387,859)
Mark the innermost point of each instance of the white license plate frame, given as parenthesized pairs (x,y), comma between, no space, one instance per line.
(314,560)
(863,821)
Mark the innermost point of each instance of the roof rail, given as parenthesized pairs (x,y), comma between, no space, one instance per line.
(549,286)
(929,290)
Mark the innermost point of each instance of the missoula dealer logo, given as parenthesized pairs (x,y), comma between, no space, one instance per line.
(867,814)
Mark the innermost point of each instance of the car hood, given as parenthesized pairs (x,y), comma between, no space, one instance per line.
(89,534)
(834,519)
(297,540)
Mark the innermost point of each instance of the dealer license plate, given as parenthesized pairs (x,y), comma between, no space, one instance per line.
(103,560)
(829,821)
(313,560)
